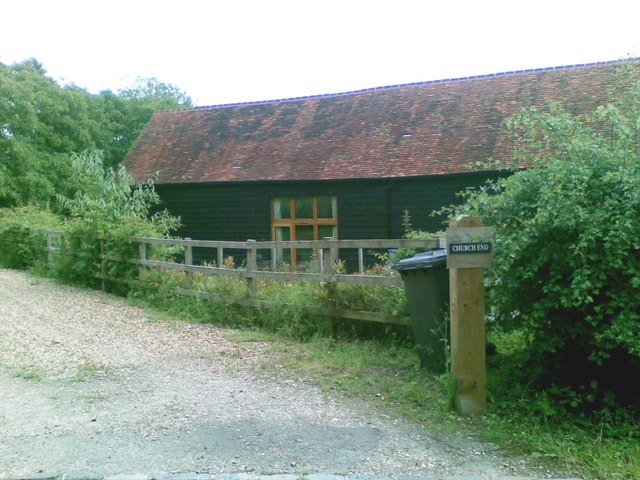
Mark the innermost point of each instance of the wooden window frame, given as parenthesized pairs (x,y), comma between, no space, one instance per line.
(294,222)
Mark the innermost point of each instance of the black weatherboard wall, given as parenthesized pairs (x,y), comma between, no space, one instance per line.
(367,209)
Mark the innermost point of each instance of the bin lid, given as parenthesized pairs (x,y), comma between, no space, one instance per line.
(422,260)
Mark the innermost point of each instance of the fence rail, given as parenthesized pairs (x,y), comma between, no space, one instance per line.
(327,253)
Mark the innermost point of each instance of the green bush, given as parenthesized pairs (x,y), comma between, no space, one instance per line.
(410,233)
(105,214)
(22,245)
(567,264)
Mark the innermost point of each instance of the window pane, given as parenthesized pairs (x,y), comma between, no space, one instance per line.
(304,232)
(326,207)
(304,208)
(283,234)
(327,231)
(283,254)
(281,208)
(304,255)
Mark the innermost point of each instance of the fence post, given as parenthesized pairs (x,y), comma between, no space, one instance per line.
(49,248)
(469,250)
(333,255)
(274,259)
(142,253)
(329,257)
(63,244)
(324,256)
(251,267)
(220,257)
(103,283)
(188,261)
(321,257)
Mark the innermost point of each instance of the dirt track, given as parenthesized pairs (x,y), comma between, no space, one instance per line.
(90,383)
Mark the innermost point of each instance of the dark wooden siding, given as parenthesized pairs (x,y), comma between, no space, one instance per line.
(422,196)
(366,208)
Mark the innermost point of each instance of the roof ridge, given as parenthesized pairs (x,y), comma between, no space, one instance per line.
(410,84)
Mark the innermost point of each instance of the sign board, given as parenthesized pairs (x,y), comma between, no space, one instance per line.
(469,247)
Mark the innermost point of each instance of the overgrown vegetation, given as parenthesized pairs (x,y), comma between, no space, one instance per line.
(288,308)
(21,244)
(101,219)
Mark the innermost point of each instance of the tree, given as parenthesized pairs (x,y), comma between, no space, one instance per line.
(39,123)
(567,266)
(42,124)
(158,95)
(127,112)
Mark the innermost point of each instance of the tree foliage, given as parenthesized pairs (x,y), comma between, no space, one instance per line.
(107,198)
(42,124)
(37,129)
(128,111)
(103,216)
(567,265)
(60,150)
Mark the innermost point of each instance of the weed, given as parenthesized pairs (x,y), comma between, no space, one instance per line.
(31,374)
(95,397)
(252,335)
(88,371)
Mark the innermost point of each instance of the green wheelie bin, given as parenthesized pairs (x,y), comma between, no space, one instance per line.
(426,283)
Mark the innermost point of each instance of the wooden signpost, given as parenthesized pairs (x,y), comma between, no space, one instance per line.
(469,251)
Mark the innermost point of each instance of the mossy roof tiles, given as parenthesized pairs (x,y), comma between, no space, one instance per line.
(429,128)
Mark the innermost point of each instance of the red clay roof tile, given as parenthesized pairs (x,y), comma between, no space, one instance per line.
(417,129)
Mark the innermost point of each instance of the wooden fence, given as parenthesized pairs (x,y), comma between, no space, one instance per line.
(327,253)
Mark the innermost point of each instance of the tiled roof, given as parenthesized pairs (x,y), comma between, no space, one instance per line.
(416,129)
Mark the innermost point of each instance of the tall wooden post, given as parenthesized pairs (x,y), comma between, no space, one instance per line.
(333,257)
(469,250)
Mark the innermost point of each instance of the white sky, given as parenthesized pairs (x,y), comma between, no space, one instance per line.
(224,51)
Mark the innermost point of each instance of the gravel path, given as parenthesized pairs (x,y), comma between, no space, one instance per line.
(88,382)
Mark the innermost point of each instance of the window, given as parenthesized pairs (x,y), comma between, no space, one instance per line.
(303,218)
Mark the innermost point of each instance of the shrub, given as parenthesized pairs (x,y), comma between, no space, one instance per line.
(105,214)
(22,246)
(567,265)
(410,233)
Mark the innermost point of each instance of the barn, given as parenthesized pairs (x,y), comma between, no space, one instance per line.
(344,165)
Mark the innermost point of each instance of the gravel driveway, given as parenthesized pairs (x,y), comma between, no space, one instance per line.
(88,382)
